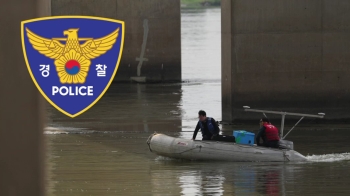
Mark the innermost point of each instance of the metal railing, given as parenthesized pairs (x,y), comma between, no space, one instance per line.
(284,114)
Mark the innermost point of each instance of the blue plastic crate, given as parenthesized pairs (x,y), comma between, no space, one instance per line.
(244,137)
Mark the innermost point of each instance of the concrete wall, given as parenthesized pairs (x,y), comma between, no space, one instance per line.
(162,42)
(286,55)
(21,106)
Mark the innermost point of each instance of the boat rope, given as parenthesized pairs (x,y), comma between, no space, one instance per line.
(149,141)
(197,146)
(285,155)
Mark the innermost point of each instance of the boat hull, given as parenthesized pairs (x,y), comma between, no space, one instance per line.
(218,151)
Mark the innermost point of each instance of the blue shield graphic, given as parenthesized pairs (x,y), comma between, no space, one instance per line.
(72,59)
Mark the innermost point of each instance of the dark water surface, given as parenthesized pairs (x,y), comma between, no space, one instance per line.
(104,151)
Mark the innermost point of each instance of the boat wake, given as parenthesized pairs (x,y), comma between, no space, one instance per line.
(73,130)
(329,157)
(64,130)
(161,158)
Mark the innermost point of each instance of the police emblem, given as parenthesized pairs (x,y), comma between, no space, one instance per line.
(72,59)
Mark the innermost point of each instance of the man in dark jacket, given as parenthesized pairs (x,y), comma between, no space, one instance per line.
(268,133)
(207,125)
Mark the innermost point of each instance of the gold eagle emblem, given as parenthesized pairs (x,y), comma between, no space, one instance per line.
(72,55)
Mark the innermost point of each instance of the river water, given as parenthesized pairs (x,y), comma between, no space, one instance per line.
(104,151)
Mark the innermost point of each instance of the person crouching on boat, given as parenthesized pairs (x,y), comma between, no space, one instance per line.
(207,125)
(269,134)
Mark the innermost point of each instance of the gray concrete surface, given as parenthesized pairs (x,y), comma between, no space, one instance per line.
(152,36)
(21,106)
(285,55)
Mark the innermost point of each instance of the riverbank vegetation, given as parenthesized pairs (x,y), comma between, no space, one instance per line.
(200,3)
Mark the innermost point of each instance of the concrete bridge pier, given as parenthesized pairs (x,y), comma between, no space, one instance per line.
(285,55)
(152,45)
(21,106)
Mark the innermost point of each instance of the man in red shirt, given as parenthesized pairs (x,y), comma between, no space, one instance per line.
(268,133)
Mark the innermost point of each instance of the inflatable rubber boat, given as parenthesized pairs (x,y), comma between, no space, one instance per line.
(172,147)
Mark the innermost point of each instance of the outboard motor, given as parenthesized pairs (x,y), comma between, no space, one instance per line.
(285,144)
